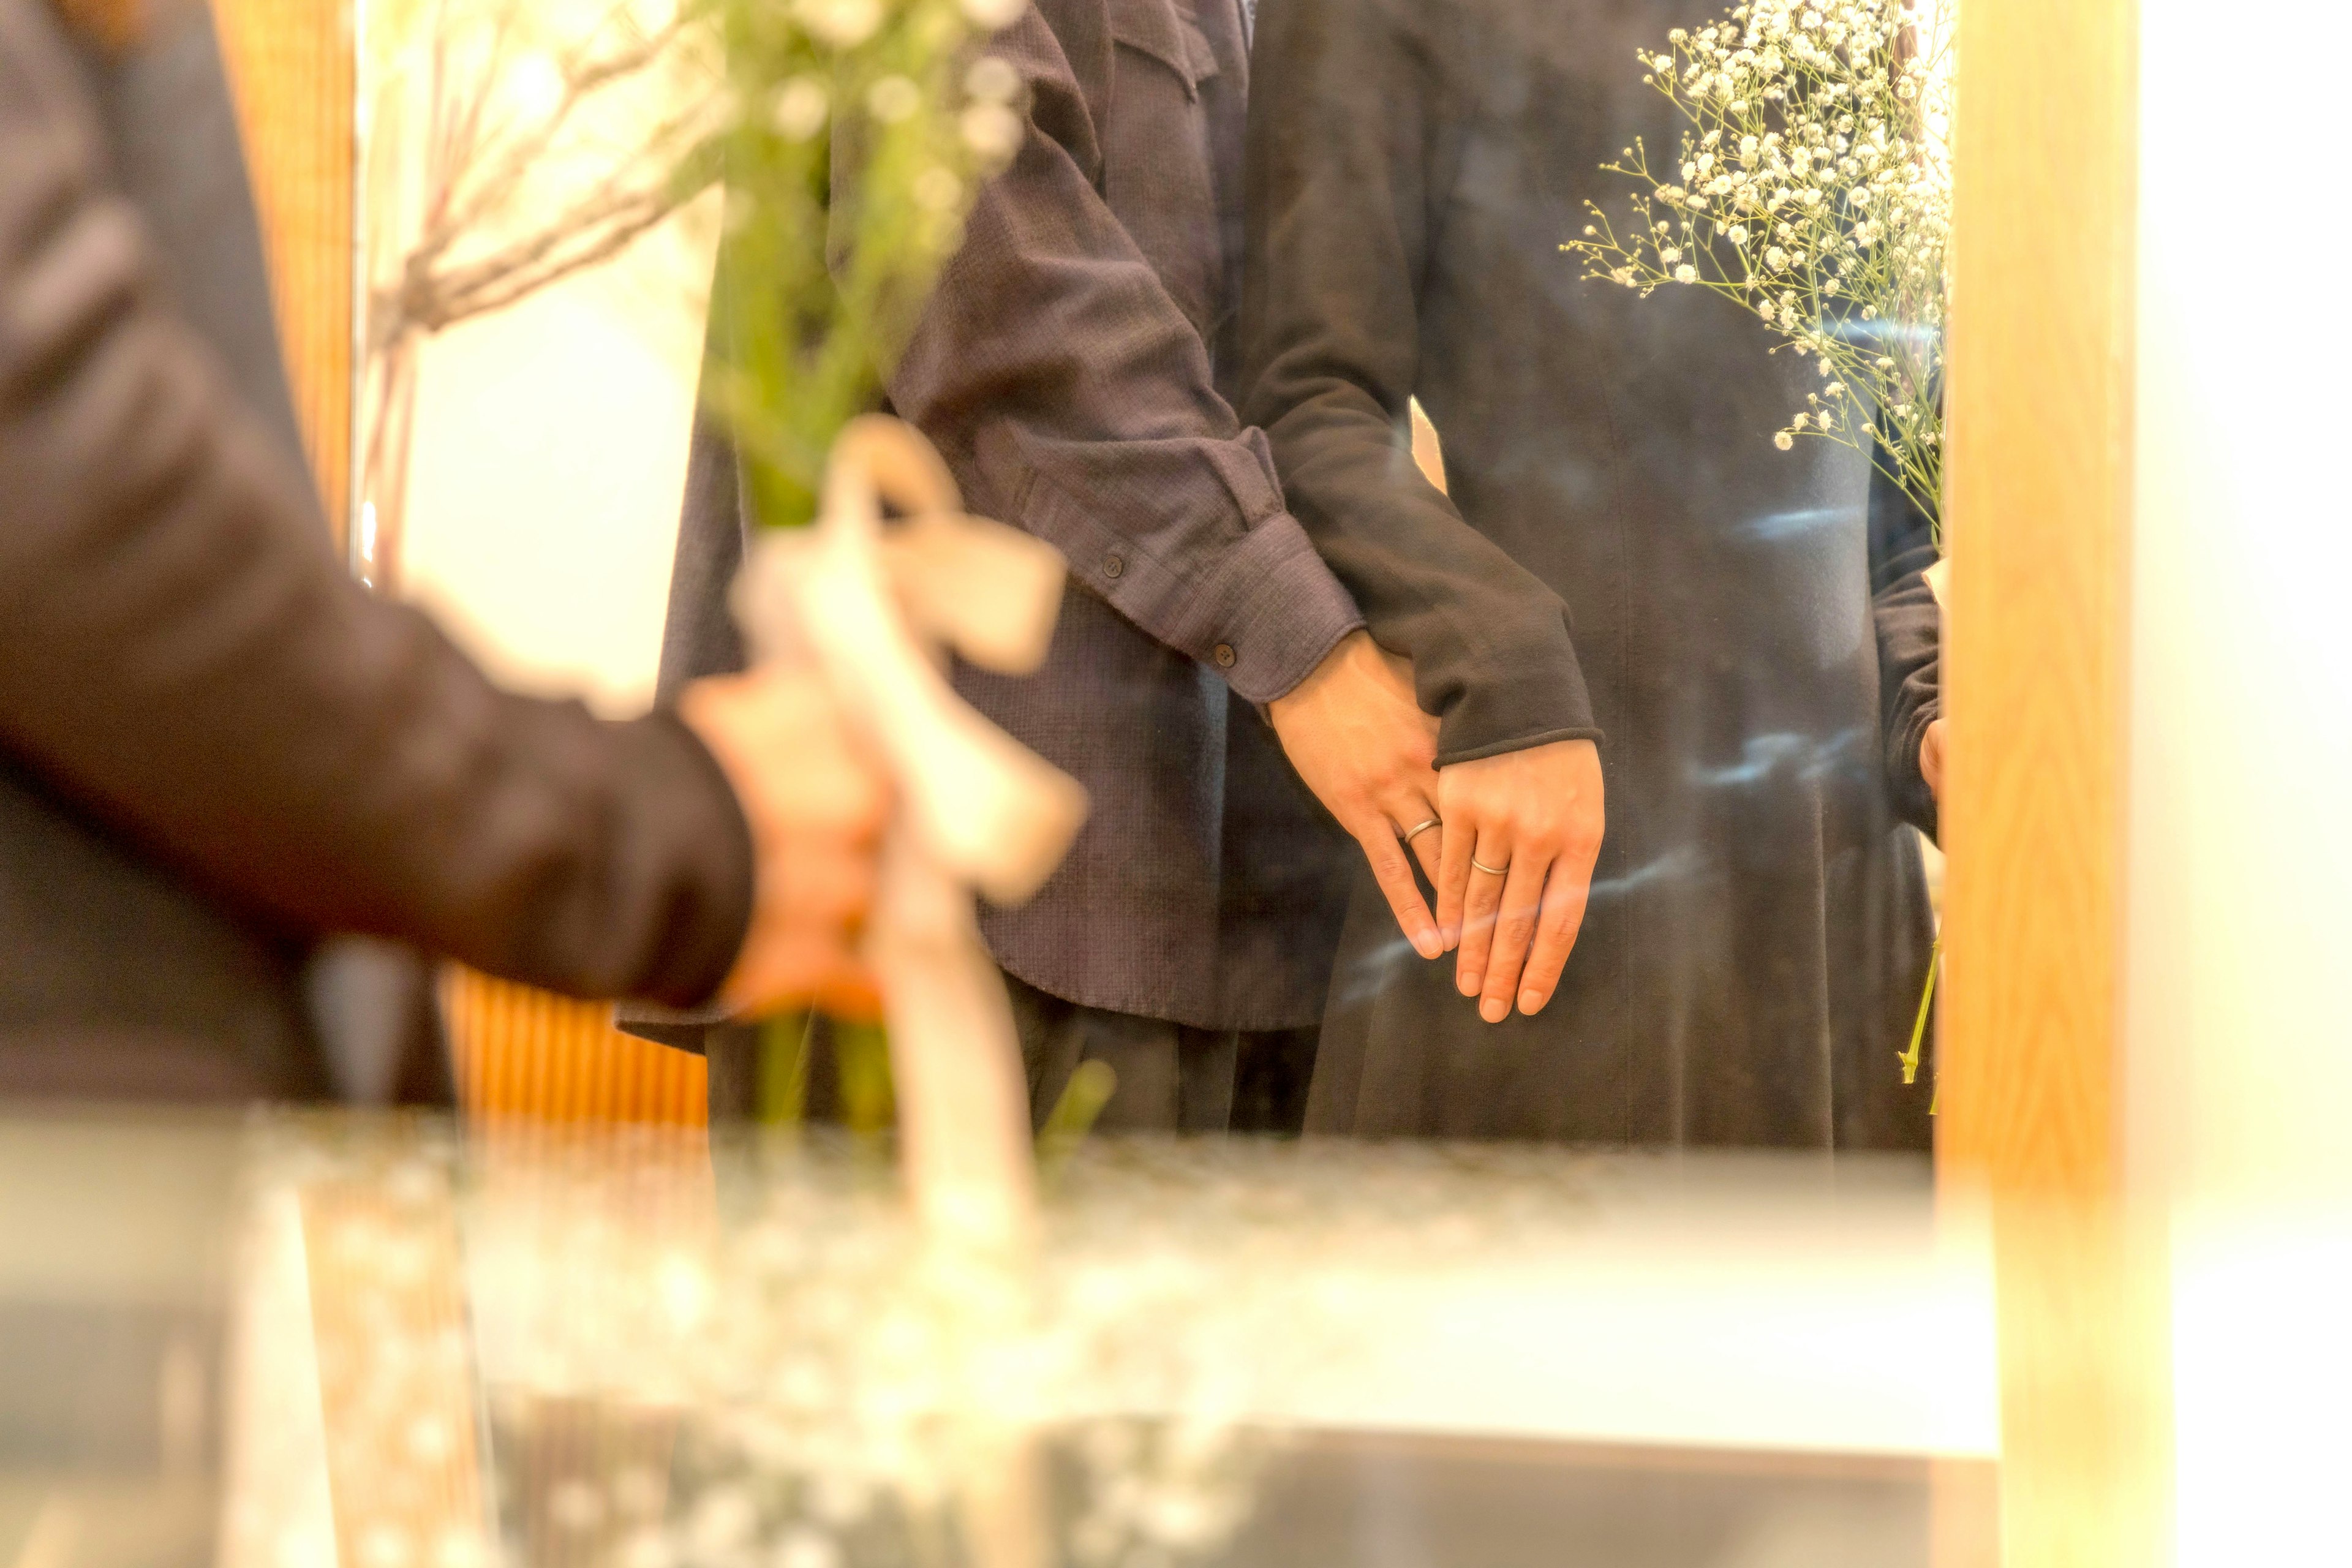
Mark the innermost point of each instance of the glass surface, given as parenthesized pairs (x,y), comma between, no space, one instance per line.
(1593,349)
(560,1345)
(1587,354)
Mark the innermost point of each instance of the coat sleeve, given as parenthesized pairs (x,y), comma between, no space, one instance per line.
(1910,640)
(1348,127)
(1073,395)
(183,657)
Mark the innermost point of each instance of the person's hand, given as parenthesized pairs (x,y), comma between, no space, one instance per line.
(1360,740)
(1534,817)
(1931,759)
(816,802)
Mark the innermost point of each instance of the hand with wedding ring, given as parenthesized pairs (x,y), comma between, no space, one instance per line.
(1521,833)
(1357,737)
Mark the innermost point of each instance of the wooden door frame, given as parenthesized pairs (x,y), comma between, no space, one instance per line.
(2039,506)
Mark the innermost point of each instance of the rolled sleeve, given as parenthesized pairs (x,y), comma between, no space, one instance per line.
(1227,578)
(1910,636)
(1073,394)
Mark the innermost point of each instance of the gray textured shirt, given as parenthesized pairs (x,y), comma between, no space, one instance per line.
(1075,369)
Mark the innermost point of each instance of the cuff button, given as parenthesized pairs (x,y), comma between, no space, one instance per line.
(1114,565)
(1224,655)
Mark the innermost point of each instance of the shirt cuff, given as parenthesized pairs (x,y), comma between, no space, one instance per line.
(1279,611)
(1261,609)
(1512,699)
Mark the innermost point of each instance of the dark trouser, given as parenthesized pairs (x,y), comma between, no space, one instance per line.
(1171,1078)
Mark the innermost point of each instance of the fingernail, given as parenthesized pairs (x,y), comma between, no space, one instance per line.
(1452,938)
(1472,984)
(1424,943)
(1494,1009)
(1530,1000)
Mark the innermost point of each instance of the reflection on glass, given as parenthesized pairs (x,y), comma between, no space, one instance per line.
(572,1346)
(532,293)
(1503,697)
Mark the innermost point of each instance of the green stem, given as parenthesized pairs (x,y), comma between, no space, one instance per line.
(1910,1058)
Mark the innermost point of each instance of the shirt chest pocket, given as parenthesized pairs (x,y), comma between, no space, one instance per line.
(1159,161)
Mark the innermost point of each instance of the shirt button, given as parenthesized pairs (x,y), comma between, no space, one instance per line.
(1224,655)
(1114,564)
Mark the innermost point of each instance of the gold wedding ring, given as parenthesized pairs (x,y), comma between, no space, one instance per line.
(1413,833)
(1478,865)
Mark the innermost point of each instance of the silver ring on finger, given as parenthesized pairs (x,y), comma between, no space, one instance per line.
(1413,833)
(1478,865)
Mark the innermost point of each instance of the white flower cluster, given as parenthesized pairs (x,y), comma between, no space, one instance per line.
(803,1385)
(987,118)
(853,137)
(1814,187)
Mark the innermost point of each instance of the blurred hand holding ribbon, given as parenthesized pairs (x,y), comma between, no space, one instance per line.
(875,608)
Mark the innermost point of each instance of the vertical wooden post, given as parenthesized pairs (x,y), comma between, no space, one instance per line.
(2041,379)
(292,64)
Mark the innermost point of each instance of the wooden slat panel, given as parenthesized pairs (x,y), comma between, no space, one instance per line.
(523,1053)
(2038,505)
(292,63)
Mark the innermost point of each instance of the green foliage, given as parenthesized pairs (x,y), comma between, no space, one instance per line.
(855,131)
(784,1046)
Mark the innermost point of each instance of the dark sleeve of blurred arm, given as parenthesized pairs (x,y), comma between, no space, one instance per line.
(1354,102)
(1910,633)
(181,654)
(1075,398)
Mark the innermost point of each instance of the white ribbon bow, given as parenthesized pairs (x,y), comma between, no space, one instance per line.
(874,609)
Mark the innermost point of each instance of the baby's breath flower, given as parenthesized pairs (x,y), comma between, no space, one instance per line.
(1809,140)
(937,190)
(843,24)
(801,108)
(893,98)
(992,80)
(991,130)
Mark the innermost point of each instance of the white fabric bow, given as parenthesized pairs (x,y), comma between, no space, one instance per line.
(873,608)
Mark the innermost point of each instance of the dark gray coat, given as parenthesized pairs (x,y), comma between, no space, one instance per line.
(213,745)
(1624,554)
(1075,368)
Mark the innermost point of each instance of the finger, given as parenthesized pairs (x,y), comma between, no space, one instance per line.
(1425,845)
(1393,872)
(853,993)
(1515,929)
(1481,898)
(826,789)
(1567,894)
(1457,838)
(819,880)
(793,968)
(780,737)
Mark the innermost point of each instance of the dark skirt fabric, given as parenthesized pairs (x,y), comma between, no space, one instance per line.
(1760,930)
